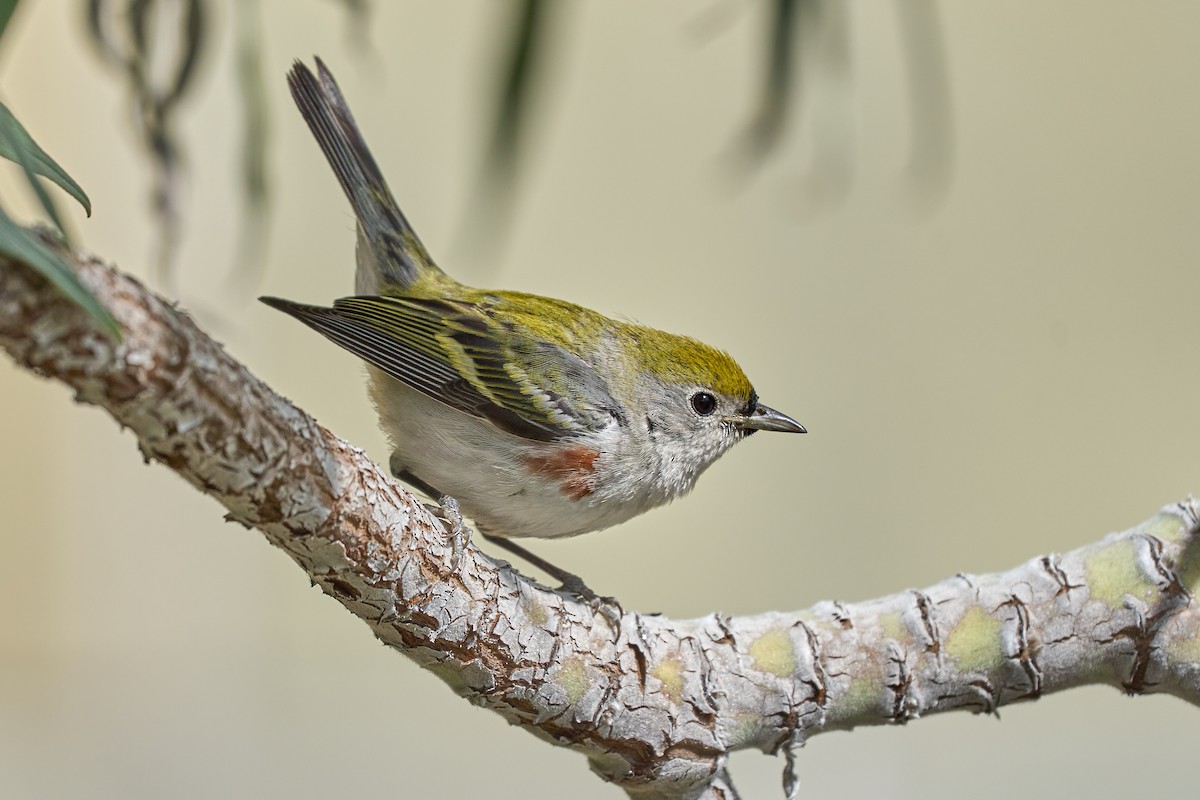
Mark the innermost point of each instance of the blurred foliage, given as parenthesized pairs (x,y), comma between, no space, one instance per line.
(531,20)
(157,46)
(252,88)
(817,29)
(782,43)
(358,14)
(520,59)
(931,143)
(7,7)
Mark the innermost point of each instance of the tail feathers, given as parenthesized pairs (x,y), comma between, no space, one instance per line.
(398,254)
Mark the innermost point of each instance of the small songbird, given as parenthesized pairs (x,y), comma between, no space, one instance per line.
(540,417)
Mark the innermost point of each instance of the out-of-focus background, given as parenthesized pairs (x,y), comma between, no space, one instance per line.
(994,355)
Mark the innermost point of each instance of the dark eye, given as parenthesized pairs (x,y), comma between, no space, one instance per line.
(704,403)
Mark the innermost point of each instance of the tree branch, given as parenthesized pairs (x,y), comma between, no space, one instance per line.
(655,704)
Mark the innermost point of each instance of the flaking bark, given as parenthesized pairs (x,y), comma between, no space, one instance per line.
(655,704)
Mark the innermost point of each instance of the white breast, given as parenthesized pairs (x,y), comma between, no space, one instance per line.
(487,470)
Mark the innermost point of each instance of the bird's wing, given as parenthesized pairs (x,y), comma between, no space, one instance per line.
(458,354)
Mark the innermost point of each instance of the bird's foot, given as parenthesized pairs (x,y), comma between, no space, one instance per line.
(451,514)
(573,584)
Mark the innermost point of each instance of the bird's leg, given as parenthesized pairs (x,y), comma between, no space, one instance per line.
(400,472)
(450,512)
(571,583)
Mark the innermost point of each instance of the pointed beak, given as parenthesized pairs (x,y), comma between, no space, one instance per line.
(766,419)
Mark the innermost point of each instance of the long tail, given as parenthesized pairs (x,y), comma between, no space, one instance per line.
(398,255)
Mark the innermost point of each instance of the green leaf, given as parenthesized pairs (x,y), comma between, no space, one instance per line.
(7,7)
(24,245)
(17,145)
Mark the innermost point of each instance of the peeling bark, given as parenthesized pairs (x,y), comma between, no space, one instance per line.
(655,704)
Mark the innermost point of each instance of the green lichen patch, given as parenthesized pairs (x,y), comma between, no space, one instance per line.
(866,692)
(1188,569)
(772,652)
(893,626)
(746,727)
(572,677)
(974,643)
(1166,526)
(536,612)
(1113,573)
(670,672)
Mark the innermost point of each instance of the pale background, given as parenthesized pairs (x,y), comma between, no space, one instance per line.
(1009,373)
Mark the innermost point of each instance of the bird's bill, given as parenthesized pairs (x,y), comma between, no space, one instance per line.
(766,419)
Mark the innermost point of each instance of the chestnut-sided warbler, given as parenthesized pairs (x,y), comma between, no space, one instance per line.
(542,418)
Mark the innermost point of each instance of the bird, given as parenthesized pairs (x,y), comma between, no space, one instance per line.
(539,417)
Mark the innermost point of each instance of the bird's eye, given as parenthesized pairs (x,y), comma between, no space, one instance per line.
(703,403)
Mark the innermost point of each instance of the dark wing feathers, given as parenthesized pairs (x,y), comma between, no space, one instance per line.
(419,370)
(403,338)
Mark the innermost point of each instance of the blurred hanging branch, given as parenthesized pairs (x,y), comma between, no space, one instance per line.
(931,143)
(821,27)
(252,88)
(139,38)
(783,32)
(135,37)
(157,47)
(532,23)
(807,42)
